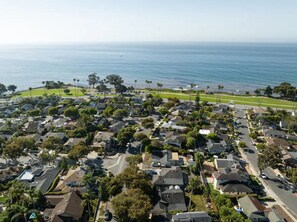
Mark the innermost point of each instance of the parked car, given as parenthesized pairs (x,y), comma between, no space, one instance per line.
(107,215)
(263,175)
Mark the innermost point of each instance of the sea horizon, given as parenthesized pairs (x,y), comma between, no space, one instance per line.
(236,65)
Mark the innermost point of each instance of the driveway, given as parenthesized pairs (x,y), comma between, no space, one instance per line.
(284,197)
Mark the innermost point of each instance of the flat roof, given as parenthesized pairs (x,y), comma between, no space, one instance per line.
(26,175)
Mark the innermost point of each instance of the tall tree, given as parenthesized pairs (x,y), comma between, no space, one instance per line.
(114,80)
(30,90)
(271,156)
(78,151)
(93,79)
(268,91)
(11,88)
(132,206)
(2,89)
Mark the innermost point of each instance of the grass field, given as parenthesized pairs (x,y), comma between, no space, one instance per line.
(236,99)
(219,98)
(197,203)
(42,91)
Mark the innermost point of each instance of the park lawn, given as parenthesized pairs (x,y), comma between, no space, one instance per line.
(197,202)
(236,99)
(42,91)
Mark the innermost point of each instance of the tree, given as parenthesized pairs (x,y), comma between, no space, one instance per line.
(11,88)
(195,185)
(199,158)
(103,188)
(63,164)
(2,89)
(191,142)
(93,79)
(292,127)
(83,91)
(30,91)
(134,160)
(257,92)
(13,151)
(133,205)
(114,80)
(125,135)
(18,147)
(253,135)
(271,156)
(164,111)
(212,136)
(67,91)
(52,111)
(140,136)
(53,143)
(102,86)
(78,151)
(242,144)
(197,100)
(286,90)
(268,91)
(159,85)
(135,81)
(34,112)
(71,112)
(120,88)
(120,114)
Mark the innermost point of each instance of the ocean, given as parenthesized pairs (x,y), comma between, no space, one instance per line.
(236,66)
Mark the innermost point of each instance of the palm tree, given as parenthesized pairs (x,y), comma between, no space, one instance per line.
(77,85)
(43,83)
(74,80)
(30,90)
(135,81)
(159,85)
(87,201)
(192,85)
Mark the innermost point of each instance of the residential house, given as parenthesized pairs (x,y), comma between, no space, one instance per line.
(104,140)
(33,127)
(278,142)
(274,133)
(165,158)
(73,141)
(222,164)
(66,207)
(171,199)
(172,125)
(198,216)
(206,131)
(9,174)
(117,126)
(231,183)
(40,179)
(60,135)
(253,209)
(175,140)
(290,159)
(217,147)
(73,180)
(169,177)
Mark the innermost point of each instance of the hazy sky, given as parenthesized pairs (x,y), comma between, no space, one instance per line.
(52,21)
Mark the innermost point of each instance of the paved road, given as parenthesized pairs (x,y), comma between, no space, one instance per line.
(272,184)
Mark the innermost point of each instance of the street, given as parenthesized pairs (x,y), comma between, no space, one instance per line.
(284,197)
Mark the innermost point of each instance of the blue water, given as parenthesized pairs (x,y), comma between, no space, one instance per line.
(234,65)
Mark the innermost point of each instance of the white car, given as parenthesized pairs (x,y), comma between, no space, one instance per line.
(263,175)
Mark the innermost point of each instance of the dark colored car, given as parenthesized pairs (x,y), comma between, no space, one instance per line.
(107,215)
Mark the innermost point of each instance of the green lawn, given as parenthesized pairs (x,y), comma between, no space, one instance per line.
(220,98)
(42,91)
(224,98)
(197,203)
